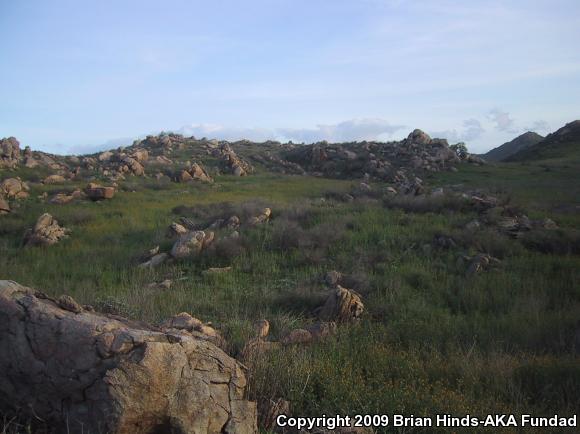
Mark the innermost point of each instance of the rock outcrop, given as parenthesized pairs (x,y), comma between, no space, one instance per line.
(84,372)
(9,152)
(232,163)
(191,244)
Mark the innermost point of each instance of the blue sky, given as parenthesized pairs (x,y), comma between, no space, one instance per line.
(76,76)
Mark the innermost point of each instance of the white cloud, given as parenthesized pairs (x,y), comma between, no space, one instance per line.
(472,130)
(350,130)
(212,131)
(502,120)
(346,131)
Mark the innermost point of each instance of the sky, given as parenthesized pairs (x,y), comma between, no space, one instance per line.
(80,76)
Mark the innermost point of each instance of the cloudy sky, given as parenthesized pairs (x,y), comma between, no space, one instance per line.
(82,75)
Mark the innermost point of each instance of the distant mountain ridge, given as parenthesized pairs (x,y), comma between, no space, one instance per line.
(564,142)
(514,146)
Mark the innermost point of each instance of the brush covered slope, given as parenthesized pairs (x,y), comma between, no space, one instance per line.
(508,149)
(357,278)
(561,144)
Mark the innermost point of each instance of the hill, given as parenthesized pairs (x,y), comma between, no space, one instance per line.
(564,143)
(506,150)
(345,278)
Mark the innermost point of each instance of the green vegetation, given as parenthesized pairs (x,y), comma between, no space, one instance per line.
(432,340)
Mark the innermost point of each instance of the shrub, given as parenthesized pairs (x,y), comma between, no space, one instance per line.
(560,241)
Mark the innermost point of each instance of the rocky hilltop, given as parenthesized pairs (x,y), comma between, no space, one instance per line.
(184,159)
(561,143)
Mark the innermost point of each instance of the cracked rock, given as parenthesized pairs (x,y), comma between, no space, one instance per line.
(90,373)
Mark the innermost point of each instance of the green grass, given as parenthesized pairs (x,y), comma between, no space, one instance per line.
(432,340)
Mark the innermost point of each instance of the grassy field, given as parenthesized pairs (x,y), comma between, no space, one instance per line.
(432,339)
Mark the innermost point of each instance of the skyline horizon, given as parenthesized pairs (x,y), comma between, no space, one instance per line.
(201,131)
(76,76)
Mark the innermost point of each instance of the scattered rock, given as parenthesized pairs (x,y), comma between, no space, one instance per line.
(46,232)
(216,270)
(332,278)
(262,328)
(191,243)
(62,198)
(9,152)
(155,261)
(97,192)
(263,217)
(87,372)
(54,179)
(14,188)
(342,305)
(176,230)
(296,337)
(163,285)
(480,262)
(549,224)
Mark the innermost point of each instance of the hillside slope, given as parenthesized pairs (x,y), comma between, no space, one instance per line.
(508,149)
(563,143)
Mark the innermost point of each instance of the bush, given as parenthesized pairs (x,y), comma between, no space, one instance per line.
(560,241)
(425,204)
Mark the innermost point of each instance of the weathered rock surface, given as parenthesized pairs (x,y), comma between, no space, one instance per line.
(98,192)
(9,152)
(232,163)
(191,243)
(84,372)
(54,179)
(4,206)
(46,232)
(14,188)
(342,305)
(263,217)
(62,198)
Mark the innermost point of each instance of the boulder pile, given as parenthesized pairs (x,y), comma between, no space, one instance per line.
(231,162)
(46,232)
(195,173)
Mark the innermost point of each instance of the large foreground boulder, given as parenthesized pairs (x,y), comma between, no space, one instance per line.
(85,372)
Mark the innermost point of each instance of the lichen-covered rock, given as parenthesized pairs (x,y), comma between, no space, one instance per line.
(84,372)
